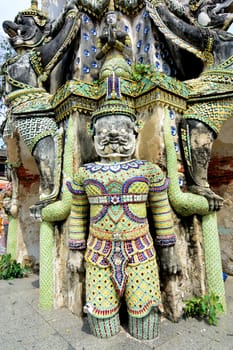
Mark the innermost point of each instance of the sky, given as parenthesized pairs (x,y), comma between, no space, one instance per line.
(10,8)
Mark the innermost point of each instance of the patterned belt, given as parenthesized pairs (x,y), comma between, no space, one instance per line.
(120,236)
(118,199)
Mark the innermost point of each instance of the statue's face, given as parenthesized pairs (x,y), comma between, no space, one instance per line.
(111,18)
(115,137)
(23,32)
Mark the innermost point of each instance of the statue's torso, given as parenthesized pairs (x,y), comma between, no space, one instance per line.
(118,193)
(20,73)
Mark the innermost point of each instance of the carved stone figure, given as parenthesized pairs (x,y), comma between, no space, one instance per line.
(115,46)
(120,256)
(30,113)
(208,109)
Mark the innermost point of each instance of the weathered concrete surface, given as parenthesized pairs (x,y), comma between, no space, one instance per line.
(24,327)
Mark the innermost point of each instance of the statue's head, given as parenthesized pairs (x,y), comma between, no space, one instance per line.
(212,14)
(111,17)
(115,136)
(29,28)
(114,126)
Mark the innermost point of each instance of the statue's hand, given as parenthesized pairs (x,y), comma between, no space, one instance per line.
(214,200)
(168,260)
(76,261)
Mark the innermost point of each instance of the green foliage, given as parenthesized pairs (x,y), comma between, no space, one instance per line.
(140,70)
(205,306)
(10,269)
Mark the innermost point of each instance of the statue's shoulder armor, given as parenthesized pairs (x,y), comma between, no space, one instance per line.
(129,7)
(155,174)
(154,168)
(95,8)
(99,8)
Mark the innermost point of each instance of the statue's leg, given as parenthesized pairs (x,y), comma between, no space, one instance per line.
(11,138)
(197,141)
(145,328)
(12,177)
(44,154)
(143,300)
(103,302)
(105,327)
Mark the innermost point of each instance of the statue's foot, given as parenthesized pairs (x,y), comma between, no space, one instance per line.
(215,201)
(35,212)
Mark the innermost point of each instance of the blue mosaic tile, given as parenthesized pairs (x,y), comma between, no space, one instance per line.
(85,36)
(176,146)
(138,27)
(157,64)
(147,47)
(181,182)
(86,69)
(173,130)
(94,65)
(172,115)
(86,53)
(85,19)
(166,69)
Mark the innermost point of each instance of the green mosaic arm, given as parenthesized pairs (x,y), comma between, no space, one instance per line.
(162,218)
(78,221)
